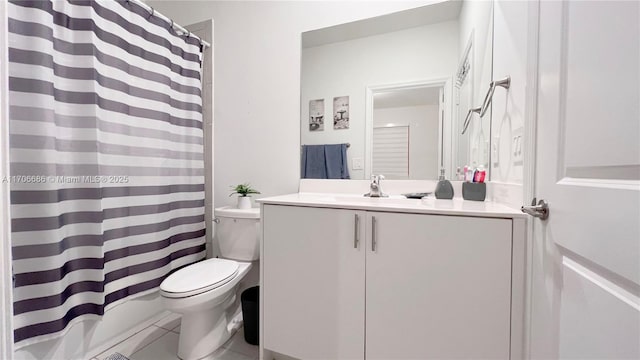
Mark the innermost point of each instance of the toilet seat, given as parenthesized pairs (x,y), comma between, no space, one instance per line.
(199,278)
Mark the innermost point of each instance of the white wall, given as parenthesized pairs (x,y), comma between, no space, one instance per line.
(476,25)
(347,68)
(501,46)
(510,108)
(257,82)
(423,122)
(510,49)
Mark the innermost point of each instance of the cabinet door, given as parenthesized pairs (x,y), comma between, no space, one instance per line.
(438,287)
(313,282)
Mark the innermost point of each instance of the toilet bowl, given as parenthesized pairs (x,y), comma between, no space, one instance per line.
(205,293)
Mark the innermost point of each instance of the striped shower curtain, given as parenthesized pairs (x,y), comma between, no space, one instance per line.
(107,165)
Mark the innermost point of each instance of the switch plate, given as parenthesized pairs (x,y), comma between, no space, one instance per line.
(358,164)
(495,153)
(517,146)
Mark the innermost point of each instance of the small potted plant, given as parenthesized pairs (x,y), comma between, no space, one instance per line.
(244,190)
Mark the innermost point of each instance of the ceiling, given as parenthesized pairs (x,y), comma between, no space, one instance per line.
(439,11)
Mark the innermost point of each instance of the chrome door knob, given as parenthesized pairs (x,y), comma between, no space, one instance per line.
(539,209)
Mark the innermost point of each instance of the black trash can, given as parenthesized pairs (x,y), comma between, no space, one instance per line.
(250,299)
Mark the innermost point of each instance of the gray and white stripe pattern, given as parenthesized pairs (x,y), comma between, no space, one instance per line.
(107,165)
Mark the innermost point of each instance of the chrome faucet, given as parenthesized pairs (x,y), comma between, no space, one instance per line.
(375,188)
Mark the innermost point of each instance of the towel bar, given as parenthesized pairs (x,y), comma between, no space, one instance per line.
(348,145)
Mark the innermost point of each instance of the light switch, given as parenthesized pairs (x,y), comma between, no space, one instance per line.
(358,164)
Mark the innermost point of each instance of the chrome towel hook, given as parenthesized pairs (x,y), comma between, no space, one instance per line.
(467,120)
(505,83)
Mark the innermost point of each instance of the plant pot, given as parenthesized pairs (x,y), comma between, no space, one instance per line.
(244,202)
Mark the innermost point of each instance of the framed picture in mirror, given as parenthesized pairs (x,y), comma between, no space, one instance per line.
(341,112)
(316,115)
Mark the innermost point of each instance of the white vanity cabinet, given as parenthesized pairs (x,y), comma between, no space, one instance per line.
(313,288)
(437,287)
(361,284)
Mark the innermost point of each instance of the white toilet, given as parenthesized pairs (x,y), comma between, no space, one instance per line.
(205,292)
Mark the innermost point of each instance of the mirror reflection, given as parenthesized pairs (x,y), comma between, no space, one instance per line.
(388,95)
(406,131)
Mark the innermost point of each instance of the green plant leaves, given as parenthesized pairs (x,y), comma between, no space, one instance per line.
(243,190)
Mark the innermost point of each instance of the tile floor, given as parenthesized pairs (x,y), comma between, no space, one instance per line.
(160,342)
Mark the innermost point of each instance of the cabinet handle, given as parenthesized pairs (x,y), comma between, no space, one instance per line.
(356,232)
(373,233)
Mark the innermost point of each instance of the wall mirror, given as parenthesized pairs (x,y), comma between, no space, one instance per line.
(389,95)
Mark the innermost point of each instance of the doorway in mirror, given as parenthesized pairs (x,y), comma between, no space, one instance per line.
(406,130)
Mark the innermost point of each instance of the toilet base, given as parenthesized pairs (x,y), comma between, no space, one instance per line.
(209,318)
(203,332)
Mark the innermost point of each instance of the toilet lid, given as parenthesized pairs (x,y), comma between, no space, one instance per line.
(199,277)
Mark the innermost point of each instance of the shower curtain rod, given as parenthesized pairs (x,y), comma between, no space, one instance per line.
(174,26)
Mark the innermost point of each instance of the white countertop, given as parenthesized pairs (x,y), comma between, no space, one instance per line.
(428,205)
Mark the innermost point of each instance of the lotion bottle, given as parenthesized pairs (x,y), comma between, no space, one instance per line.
(444,189)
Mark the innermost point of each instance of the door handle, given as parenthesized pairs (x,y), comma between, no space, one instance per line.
(373,233)
(539,210)
(356,232)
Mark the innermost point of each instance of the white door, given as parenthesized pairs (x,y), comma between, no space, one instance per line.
(586,256)
(438,287)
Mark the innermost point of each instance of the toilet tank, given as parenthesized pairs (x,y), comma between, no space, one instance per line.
(238,233)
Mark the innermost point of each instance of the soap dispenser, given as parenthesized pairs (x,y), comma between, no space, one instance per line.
(444,189)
